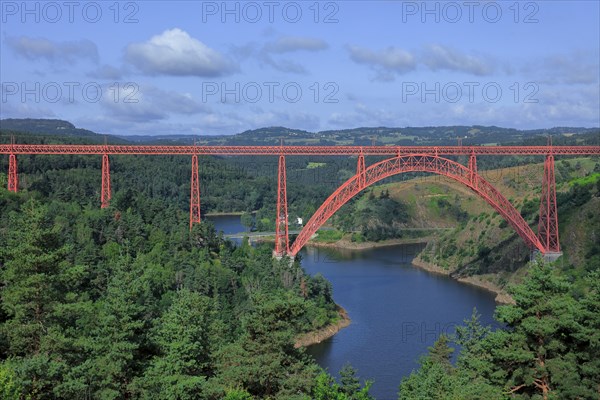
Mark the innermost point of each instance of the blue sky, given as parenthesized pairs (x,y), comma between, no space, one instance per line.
(154,67)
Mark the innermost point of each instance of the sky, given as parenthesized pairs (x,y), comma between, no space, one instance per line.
(215,67)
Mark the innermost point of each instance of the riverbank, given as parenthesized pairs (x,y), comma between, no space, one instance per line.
(310,338)
(501,296)
(350,245)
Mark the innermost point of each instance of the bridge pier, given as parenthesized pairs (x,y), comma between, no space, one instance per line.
(282,243)
(548,220)
(473,169)
(360,170)
(194,193)
(105,191)
(13,177)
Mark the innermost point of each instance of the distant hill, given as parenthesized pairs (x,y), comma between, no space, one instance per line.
(362,136)
(52,128)
(44,126)
(367,136)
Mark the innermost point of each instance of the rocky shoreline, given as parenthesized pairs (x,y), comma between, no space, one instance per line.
(501,296)
(349,245)
(310,338)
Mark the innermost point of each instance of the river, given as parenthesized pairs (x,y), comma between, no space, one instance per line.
(397,310)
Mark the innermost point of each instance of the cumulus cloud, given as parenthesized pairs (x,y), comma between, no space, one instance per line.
(40,48)
(175,52)
(395,61)
(438,57)
(385,62)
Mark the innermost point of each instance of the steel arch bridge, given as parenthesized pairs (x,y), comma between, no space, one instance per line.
(405,159)
(416,163)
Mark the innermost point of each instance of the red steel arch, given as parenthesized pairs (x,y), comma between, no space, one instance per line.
(417,163)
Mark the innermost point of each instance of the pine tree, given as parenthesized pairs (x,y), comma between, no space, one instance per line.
(183,336)
(441,353)
(350,383)
(537,355)
(34,259)
(589,338)
(474,358)
(263,360)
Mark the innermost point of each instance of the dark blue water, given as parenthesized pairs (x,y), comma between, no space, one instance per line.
(397,310)
(229,224)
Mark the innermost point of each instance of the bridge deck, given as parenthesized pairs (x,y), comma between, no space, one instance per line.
(296,150)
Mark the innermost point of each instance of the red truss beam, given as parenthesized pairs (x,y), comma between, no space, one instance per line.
(105,191)
(282,244)
(295,150)
(548,223)
(417,163)
(194,194)
(13,177)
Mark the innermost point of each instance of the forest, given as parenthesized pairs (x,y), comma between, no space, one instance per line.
(107,304)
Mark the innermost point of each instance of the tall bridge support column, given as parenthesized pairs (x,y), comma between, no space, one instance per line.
(13,177)
(195,194)
(473,170)
(360,170)
(105,191)
(282,244)
(548,223)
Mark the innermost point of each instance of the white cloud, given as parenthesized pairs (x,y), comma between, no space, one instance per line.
(394,61)
(391,58)
(438,57)
(386,62)
(175,52)
(40,48)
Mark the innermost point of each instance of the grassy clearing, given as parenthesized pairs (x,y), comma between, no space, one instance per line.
(329,236)
(586,180)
